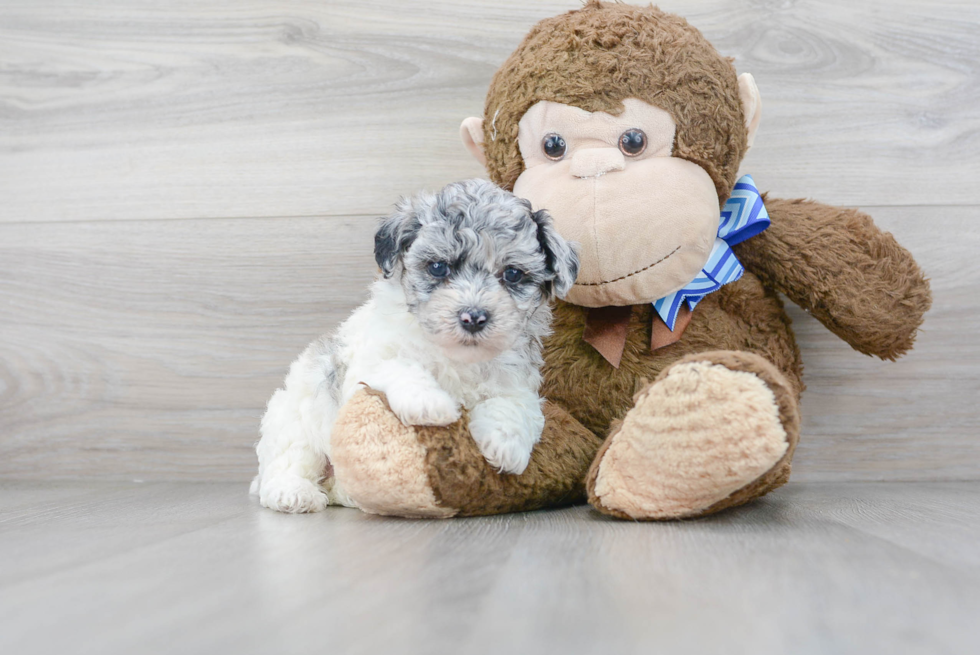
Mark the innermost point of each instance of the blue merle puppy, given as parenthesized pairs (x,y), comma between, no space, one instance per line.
(455,321)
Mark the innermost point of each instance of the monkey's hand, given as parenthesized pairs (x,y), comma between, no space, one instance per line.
(839,266)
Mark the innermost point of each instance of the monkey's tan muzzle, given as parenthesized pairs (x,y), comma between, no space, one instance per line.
(593,162)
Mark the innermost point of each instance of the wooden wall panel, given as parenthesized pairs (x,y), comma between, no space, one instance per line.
(147,349)
(132,346)
(144,110)
(136,348)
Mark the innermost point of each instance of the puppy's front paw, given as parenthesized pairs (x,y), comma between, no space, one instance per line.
(505,434)
(292,494)
(505,450)
(423,406)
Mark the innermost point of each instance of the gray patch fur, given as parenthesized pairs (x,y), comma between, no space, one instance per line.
(479,230)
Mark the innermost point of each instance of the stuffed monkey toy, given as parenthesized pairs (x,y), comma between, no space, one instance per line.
(672,377)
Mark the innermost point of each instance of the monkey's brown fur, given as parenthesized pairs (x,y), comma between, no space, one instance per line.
(599,56)
(833,262)
(462,479)
(836,264)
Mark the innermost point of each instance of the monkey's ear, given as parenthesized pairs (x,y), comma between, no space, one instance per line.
(395,235)
(472,133)
(751,104)
(560,257)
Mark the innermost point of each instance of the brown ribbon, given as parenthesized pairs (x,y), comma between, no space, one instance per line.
(606,329)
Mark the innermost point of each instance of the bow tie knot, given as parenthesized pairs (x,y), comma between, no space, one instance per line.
(743,217)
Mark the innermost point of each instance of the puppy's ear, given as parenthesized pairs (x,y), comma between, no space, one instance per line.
(395,236)
(560,256)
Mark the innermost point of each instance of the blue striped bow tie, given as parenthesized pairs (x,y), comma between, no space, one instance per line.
(743,216)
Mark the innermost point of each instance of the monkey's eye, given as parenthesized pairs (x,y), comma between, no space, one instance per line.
(633,142)
(553,146)
(513,275)
(438,269)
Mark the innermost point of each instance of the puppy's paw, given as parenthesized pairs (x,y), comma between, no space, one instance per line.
(505,450)
(506,433)
(292,494)
(423,406)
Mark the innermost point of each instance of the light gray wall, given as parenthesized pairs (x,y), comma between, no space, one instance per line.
(188,193)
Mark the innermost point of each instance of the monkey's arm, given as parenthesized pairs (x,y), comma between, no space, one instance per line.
(836,264)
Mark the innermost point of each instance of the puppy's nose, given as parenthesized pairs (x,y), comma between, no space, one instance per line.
(591,162)
(473,320)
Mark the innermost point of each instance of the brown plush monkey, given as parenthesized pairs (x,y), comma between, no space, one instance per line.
(628,126)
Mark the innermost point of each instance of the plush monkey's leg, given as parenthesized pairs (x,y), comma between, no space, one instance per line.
(387,468)
(713,431)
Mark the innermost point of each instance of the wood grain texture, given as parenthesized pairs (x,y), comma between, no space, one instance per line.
(200,568)
(147,349)
(126,109)
(151,347)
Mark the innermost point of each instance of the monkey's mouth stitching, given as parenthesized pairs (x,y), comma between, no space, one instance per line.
(623,277)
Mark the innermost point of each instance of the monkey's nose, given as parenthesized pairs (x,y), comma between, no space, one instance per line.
(591,162)
(473,320)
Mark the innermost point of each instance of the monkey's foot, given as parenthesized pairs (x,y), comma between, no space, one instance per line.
(713,431)
(379,461)
(385,467)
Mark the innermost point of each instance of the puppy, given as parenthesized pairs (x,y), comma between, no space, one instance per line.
(455,323)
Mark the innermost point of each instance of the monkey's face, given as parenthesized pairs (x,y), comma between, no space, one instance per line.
(646,221)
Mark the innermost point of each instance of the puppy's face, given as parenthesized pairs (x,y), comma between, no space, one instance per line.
(475,264)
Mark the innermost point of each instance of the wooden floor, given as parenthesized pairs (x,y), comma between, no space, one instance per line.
(201,568)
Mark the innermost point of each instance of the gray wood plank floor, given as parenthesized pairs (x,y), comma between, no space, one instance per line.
(200,568)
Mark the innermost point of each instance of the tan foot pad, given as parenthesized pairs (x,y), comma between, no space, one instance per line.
(697,435)
(379,462)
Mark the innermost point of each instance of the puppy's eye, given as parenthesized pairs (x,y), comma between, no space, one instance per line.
(438,269)
(513,275)
(632,142)
(553,146)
